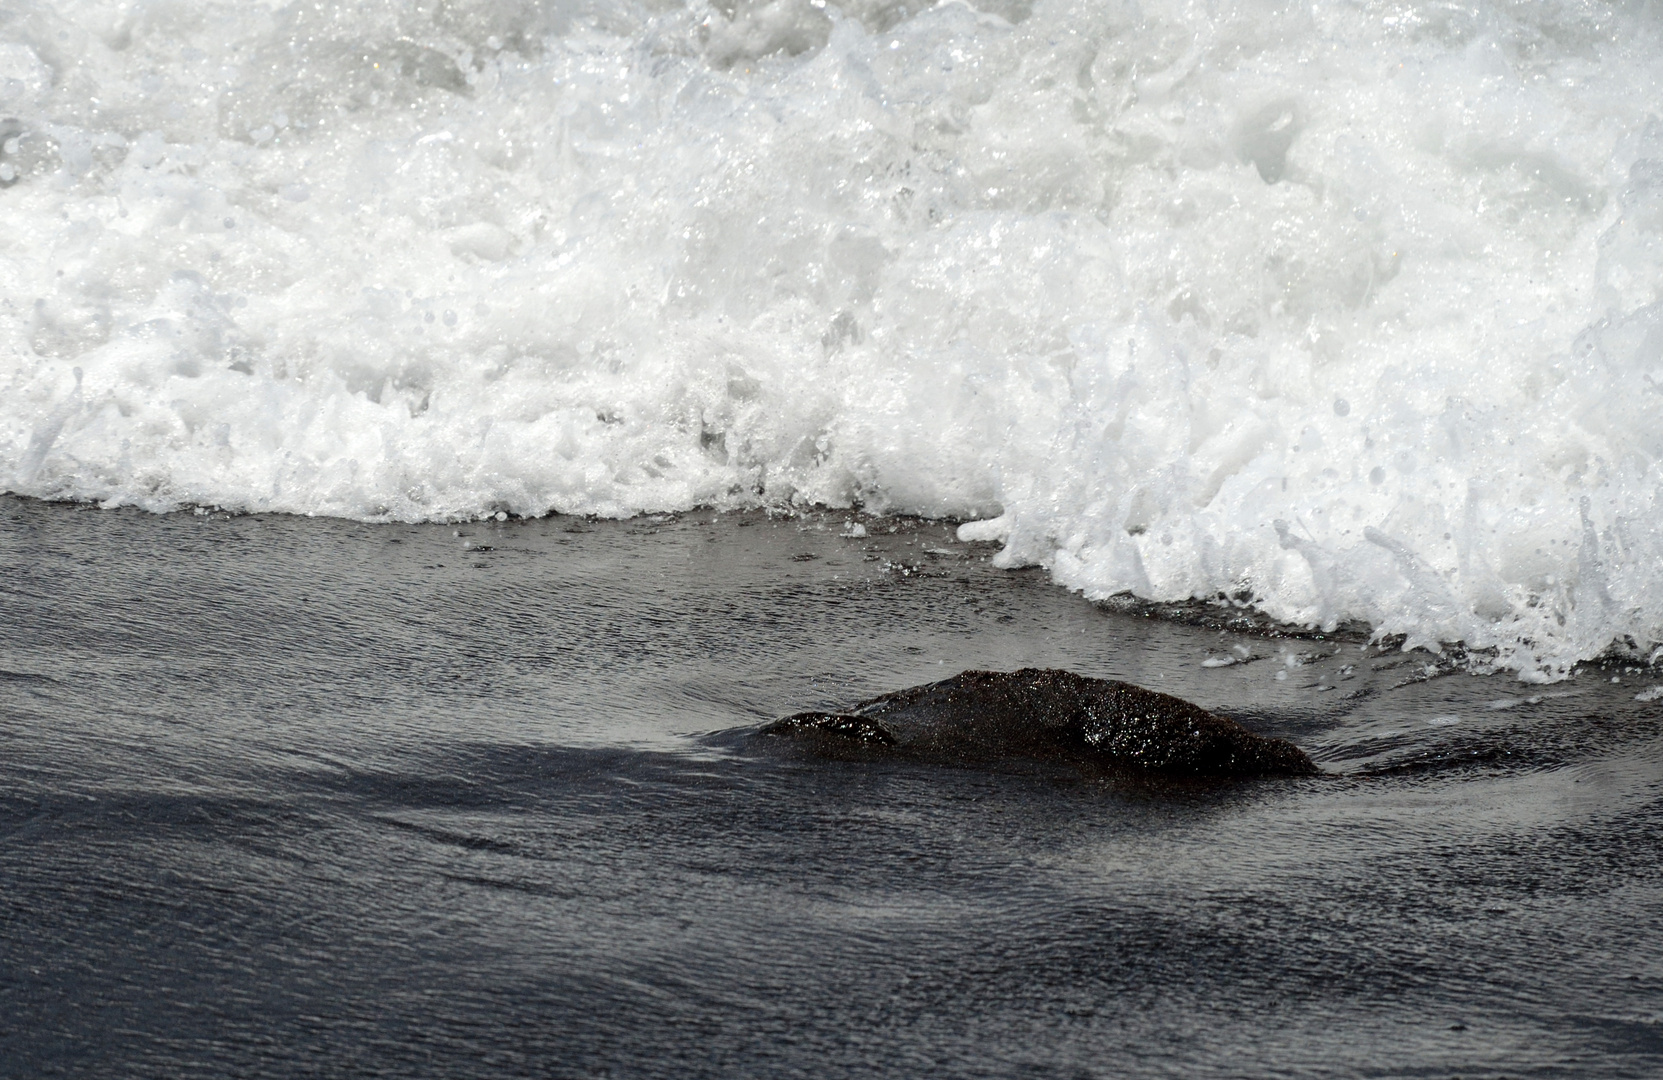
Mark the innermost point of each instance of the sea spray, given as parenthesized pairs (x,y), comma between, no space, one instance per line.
(1353,309)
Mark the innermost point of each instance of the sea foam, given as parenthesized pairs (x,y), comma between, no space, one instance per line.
(1352,310)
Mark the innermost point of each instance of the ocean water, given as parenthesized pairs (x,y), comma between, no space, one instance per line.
(1352,311)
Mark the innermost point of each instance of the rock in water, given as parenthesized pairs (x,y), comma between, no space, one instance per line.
(1040,715)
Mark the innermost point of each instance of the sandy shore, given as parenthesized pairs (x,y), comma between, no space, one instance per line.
(286,795)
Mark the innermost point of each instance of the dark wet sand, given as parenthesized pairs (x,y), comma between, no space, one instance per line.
(291,797)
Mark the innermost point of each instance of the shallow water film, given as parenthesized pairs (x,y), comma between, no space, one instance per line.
(283,796)
(1348,307)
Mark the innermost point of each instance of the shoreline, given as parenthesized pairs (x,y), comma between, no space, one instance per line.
(1220,613)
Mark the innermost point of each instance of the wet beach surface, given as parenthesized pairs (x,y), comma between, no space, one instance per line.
(282,796)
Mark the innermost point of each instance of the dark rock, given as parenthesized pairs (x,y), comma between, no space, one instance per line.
(1045,716)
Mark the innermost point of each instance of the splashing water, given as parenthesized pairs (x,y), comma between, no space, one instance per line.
(1355,309)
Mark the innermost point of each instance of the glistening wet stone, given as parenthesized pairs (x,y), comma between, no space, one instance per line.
(1041,715)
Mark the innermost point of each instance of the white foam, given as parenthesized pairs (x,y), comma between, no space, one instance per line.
(1355,307)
